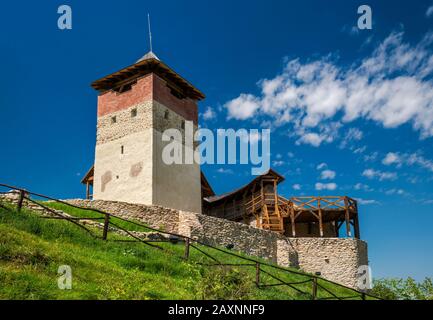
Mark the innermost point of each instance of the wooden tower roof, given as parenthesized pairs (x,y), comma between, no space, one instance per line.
(149,63)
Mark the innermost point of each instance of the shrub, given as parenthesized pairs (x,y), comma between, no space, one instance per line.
(225,283)
(403,289)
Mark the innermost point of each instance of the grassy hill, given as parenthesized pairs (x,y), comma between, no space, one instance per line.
(32,249)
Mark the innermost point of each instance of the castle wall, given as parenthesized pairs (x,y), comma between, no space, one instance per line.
(337,259)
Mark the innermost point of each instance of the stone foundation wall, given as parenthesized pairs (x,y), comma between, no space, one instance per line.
(154,216)
(337,259)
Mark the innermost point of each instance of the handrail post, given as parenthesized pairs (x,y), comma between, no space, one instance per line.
(363,295)
(20,201)
(106,225)
(314,289)
(187,244)
(257,274)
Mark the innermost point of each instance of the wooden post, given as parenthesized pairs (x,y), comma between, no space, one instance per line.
(262,193)
(87,190)
(320,218)
(234,206)
(347,217)
(356,222)
(106,225)
(314,291)
(244,209)
(257,273)
(187,243)
(363,296)
(356,227)
(292,220)
(20,201)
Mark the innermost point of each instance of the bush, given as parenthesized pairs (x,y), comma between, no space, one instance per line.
(225,283)
(403,289)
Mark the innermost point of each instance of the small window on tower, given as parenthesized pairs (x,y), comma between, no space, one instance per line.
(122,149)
(133,113)
(166,114)
(182,125)
(113,119)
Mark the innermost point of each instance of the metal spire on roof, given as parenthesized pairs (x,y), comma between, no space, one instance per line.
(150,32)
(150,54)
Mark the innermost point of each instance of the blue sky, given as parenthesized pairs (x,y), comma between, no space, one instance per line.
(351,111)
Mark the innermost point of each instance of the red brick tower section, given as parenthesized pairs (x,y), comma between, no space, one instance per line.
(145,88)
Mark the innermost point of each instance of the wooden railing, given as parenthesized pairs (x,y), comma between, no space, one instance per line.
(324,202)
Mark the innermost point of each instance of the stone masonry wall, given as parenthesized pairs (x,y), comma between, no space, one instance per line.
(337,259)
(154,216)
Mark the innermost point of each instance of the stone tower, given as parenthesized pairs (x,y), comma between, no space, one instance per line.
(135,106)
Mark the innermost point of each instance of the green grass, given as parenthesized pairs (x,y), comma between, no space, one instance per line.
(83,213)
(32,249)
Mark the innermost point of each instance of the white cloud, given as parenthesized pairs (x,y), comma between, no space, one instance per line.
(360,150)
(252,137)
(363,187)
(429,11)
(376,174)
(391,158)
(408,159)
(392,86)
(326,133)
(296,186)
(395,191)
(327,174)
(419,160)
(311,138)
(277,163)
(321,166)
(371,157)
(326,186)
(353,134)
(366,202)
(209,114)
(225,171)
(243,107)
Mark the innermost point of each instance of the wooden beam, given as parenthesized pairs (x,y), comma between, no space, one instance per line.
(347,217)
(320,218)
(292,220)
(87,190)
(356,227)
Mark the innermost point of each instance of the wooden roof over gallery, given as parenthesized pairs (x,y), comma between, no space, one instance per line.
(270,174)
